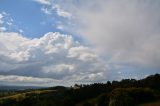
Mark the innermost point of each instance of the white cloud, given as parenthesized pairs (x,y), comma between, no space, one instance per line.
(44,2)
(2,29)
(9,23)
(46,11)
(5,21)
(51,7)
(60,27)
(1,18)
(54,56)
(21,31)
(61,12)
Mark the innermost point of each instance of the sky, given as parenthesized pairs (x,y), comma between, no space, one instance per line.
(63,42)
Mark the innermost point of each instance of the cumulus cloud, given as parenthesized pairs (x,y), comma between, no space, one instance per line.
(126,32)
(54,56)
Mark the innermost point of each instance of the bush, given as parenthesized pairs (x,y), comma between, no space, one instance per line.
(103,100)
(121,98)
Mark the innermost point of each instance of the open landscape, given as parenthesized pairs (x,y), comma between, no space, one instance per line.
(79,52)
(128,92)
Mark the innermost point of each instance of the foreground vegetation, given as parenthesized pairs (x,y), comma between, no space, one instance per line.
(128,92)
(155,103)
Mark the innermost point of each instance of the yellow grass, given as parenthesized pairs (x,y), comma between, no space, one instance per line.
(22,95)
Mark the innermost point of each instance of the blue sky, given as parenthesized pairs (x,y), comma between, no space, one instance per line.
(27,15)
(62,42)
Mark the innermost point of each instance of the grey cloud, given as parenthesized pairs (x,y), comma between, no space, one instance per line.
(127,31)
(30,81)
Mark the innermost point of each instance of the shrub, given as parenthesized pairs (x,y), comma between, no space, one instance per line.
(120,98)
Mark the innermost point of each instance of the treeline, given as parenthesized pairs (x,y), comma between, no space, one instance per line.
(127,92)
(148,88)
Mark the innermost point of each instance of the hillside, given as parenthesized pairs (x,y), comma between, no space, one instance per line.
(127,92)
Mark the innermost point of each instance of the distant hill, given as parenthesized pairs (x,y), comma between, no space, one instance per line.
(11,87)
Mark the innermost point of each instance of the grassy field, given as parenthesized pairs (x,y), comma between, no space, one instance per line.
(22,95)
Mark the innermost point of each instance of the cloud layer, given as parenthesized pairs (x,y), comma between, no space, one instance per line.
(54,56)
(127,31)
